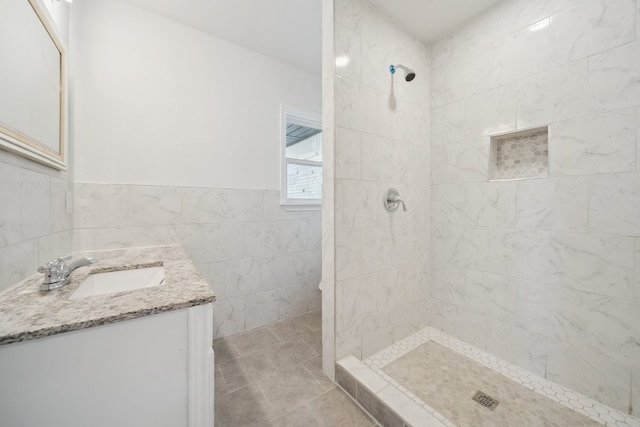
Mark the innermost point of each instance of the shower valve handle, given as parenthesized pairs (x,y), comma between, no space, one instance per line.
(398,200)
(392,200)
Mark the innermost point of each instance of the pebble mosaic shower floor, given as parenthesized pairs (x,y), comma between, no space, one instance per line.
(565,407)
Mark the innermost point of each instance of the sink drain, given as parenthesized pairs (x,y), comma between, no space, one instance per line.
(485,400)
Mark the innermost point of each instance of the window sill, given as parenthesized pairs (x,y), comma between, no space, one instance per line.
(301,207)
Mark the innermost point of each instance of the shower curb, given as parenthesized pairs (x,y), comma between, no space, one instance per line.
(386,404)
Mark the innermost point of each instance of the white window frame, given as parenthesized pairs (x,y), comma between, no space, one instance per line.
(303,118)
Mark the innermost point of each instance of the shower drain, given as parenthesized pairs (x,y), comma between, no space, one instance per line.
(485,400)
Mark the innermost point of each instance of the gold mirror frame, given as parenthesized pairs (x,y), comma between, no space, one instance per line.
(22,141)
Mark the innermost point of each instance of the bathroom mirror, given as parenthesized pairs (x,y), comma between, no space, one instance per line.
(32,83)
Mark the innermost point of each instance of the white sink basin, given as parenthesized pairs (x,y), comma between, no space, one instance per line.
(119,281)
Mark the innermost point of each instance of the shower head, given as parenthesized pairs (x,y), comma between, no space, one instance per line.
(409,74)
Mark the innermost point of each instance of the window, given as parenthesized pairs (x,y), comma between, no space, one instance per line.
(301,158)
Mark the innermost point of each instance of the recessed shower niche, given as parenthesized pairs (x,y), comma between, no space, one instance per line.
(520,155)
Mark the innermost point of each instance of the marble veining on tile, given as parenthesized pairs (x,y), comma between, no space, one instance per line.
(580,404)
(27,313)
(263,261)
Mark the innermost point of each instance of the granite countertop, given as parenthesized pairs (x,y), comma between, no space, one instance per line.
(27,313)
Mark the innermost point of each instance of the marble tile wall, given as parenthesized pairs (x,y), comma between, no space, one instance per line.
(329,167)
(379,264)
(542,272)
(34,224)
(263,262)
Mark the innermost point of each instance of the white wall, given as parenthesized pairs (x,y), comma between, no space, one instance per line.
(156,102)
(59,11)
(541,271)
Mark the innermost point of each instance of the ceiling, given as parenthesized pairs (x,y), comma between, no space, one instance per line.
(290,30)
(428,20)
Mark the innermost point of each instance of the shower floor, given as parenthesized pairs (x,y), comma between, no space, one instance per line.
(448,380)
(430,378)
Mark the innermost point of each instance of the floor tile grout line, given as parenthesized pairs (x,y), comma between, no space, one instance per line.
(297,316)
(311,326)
(308,375)
(314,377)
(309,345)
(221,374)
(280,371)
(291,379)
(306,405)
(321,393)
(267,347)
(276,372)
(300,321)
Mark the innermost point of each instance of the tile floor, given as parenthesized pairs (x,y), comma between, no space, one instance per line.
(272,376)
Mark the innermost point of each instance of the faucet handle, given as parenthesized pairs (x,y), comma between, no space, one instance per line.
(392,200)
(61,261)
(48,266)
(56,263)
(53,269)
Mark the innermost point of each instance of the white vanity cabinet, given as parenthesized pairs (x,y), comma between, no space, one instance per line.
(151,371)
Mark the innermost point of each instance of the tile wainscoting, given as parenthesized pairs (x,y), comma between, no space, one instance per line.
(262,261)
(34,224)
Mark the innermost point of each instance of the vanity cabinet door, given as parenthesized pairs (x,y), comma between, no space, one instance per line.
(136,372)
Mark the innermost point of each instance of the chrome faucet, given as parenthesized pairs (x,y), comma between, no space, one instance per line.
(392,200)
(57,272)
